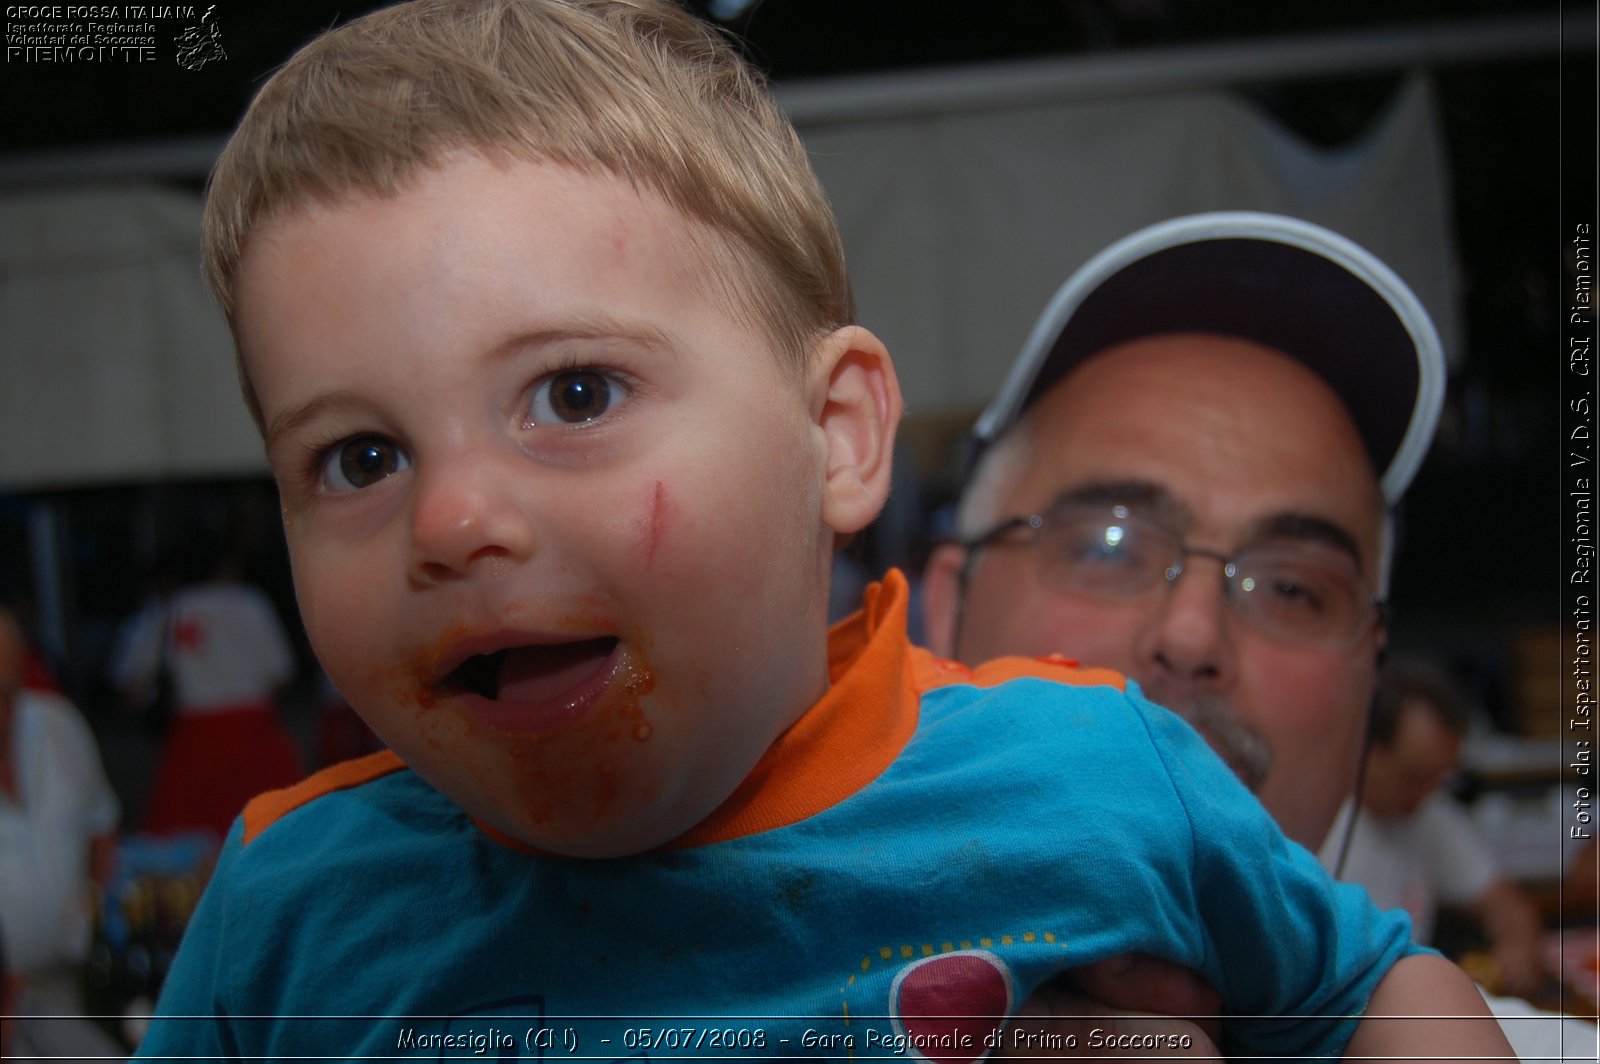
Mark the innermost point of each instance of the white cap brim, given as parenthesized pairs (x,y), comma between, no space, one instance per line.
(1278,281)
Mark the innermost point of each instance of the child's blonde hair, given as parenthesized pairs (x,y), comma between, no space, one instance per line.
(638,88)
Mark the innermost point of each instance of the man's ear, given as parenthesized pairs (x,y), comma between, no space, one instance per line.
(941,597)
(854,399)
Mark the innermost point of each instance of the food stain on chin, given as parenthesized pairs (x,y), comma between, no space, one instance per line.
(637,680)
(397,705)
(580,779)
(420,673)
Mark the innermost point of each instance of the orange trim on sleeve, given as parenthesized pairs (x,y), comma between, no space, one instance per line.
(264,810)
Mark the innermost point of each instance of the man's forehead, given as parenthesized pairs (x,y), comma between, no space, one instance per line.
(1213,423)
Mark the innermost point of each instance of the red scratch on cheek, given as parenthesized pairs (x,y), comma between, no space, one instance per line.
(656,522)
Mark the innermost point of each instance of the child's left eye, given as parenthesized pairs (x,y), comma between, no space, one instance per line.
(574,396)
(361,462)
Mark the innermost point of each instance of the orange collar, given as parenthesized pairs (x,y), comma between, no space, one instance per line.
(842,743)
(864,720)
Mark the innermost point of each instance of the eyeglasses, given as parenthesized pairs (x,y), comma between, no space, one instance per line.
(1297,592)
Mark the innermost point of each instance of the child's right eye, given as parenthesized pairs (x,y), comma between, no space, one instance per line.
(575,396)
(361,462)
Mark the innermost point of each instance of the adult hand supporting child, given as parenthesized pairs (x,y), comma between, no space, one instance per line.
(1097,1008)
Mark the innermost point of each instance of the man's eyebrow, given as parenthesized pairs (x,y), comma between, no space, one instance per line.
(1146,497)
(1307,527)
(1150,499)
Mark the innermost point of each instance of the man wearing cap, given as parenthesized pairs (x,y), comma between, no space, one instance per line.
(1187,477)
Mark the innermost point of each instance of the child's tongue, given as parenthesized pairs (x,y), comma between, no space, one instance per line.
(541,673)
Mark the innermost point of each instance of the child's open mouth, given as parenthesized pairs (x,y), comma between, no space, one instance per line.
(535,685)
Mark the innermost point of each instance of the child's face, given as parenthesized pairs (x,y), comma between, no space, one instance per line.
(554,513)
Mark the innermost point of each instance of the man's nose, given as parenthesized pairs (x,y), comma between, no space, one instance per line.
(1189,639)
(466,511)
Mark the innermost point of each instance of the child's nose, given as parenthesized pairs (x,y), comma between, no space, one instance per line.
(464,514)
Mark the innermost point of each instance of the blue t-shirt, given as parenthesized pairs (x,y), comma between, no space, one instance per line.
(925,848)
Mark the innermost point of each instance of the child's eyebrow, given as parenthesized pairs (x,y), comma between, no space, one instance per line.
(598,327)
(587,327)
(290,420)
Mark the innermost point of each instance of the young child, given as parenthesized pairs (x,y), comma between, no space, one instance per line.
(545,322)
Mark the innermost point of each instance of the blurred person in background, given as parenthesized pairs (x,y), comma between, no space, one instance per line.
(58,818)
(1415,848)
(213,649)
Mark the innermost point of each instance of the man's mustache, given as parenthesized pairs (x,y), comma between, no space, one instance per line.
(1241,746)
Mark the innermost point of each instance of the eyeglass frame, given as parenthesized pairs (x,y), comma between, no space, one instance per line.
(1376,606)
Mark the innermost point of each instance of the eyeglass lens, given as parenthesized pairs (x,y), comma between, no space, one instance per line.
(1304,592)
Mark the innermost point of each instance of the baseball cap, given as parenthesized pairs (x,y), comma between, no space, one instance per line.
(1278,281)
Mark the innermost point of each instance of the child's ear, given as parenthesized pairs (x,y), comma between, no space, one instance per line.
(854,400)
